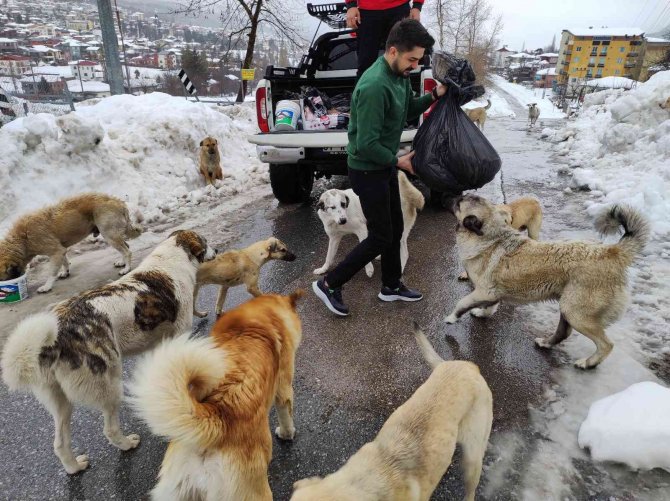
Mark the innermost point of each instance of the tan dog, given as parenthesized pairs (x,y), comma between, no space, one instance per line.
(588,280)
(210,160)
(478,115)
(212,397)
(665,104)
(533,113)
(414,448)
(237,267)
(51,230)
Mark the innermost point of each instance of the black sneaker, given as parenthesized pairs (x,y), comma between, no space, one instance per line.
(401,293)
(332,298)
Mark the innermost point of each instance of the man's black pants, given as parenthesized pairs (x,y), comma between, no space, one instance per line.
(373,32)
(380,199)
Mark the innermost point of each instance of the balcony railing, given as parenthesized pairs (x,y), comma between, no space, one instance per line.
(568,52)
(601,65)
(630,65)
(633,54)
(591,65)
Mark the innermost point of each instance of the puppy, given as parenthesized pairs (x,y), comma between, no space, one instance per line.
(237,267)
(533,113)
(51,230)
(665,104)
(212,397)
(478,115)
(73,353)
(341,214)
(587,279)
(413,450)
(521,214)
(210,160)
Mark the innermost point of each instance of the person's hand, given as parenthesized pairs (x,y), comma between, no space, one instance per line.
(353,17)
(405,163)
(441,90)
(415,14)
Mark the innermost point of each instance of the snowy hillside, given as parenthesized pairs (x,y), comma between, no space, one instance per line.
(147,155)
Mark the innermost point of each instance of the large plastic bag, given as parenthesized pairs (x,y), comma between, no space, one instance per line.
(456,72)
(451,154)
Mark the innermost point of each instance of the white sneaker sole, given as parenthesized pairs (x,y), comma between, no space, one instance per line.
(390,299)
(322,296)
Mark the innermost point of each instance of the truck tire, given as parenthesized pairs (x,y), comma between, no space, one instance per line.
(291,183)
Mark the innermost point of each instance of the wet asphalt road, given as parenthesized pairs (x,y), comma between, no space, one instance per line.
(351,373)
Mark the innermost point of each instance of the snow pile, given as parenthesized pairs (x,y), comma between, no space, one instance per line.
(631,427)
(499,106)
(143,149)
(526,96)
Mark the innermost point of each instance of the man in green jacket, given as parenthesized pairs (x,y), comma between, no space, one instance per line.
(381,104)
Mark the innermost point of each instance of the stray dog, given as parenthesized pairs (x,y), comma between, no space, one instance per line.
(212,397)
(533,113)
(414,448)
(210,160)
(587,279)
(51,230)
(237,267)
(341,214)
(478,115)
(73,353)
(665,104)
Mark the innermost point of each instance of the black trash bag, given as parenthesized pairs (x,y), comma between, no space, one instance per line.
(451,153)
(341,102)
(456,72)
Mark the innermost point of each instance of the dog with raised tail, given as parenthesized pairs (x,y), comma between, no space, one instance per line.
(478,115)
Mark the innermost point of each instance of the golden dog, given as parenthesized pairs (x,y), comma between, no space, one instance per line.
(413,450)
(237,267)
(212,397)
(588,280)
(210,160)
(478,115)
(51,230)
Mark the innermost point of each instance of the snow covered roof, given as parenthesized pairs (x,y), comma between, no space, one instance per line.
(606,32)
(611,83)
(89,86)
(7,40)
(649,39)
(42,48)
(549,54)
(63,71)
(547,71)
(38,78)
(522,55)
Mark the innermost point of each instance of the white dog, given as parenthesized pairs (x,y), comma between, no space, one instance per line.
(533,113)
(341,214)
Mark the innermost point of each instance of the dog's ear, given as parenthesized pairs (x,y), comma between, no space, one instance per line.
(346,201)
(473,224)
(305,482)
(201,142)
(273,247)
(293,298)
(321,205)
(191,242)
(506,214)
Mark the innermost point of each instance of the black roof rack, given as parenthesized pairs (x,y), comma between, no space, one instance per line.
(333,14)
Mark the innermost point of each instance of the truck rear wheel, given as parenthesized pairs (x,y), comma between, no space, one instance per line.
(291,183)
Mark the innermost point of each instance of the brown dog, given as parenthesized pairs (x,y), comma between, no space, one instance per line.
(212,397)
(51,230)
(478,115)
(210,160)
(413,450)
(237,267)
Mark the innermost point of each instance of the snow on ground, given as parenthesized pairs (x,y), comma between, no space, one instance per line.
(526,96)
(631,427)
(147,155)
(499,105)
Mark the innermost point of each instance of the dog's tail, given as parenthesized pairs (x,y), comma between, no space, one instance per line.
(410,191)
(134,229)
(172,390)
(21,357)
(426,348)
(488,104)
(635,227)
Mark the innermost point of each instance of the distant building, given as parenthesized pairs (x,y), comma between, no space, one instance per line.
(84,70)
(500,56)
(655,51)
(14,65)
(88,90)
(549,57)
(79,24)
(8,45)
(42,84)
(545,78)
(73,50)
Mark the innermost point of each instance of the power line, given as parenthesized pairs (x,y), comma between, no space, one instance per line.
(660,21)
(651,13)
(639,14)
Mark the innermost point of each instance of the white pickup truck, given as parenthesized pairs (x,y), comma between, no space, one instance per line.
(297,157)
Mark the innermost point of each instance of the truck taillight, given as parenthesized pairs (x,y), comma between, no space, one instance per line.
(428,85)
(262,109)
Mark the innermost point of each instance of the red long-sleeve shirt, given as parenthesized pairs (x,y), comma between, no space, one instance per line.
(382,4)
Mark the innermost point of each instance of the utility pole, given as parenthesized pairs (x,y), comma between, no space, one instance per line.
(111,46)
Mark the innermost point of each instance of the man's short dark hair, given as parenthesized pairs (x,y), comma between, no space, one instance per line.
(408,34)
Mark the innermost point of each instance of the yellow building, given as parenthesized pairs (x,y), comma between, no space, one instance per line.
(79,24)
(600,52)
(655,51)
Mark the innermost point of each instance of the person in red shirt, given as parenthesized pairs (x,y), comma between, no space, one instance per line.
(374,20)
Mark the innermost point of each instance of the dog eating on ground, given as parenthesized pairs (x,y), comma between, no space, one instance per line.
(51,230)
(588,279)
(237,267)
(414,448)
(478,115)
(533,113)
(341,214)
(210,160)
(73,352)
(211,398)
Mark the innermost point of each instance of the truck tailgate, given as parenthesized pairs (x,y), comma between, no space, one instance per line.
(313,139)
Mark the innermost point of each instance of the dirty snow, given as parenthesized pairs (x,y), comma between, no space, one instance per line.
(526,96)
(499,105)
(147,155)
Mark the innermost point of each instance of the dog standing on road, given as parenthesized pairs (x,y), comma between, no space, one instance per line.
(73,353)
(237,267)
(588,279)
(414,448)
(533,113)
(341,214)
(478,115)
(210,160)
(51,230)
(212,397)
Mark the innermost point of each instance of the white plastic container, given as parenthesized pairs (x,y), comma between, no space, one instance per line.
(13,291)
(287,114)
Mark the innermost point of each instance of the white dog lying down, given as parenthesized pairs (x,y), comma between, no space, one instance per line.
(341,214)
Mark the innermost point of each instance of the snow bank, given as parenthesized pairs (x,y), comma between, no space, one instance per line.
(499,105)
(143,149)
(631,427)
(526,96)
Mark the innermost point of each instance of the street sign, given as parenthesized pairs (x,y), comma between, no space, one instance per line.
(248,74)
